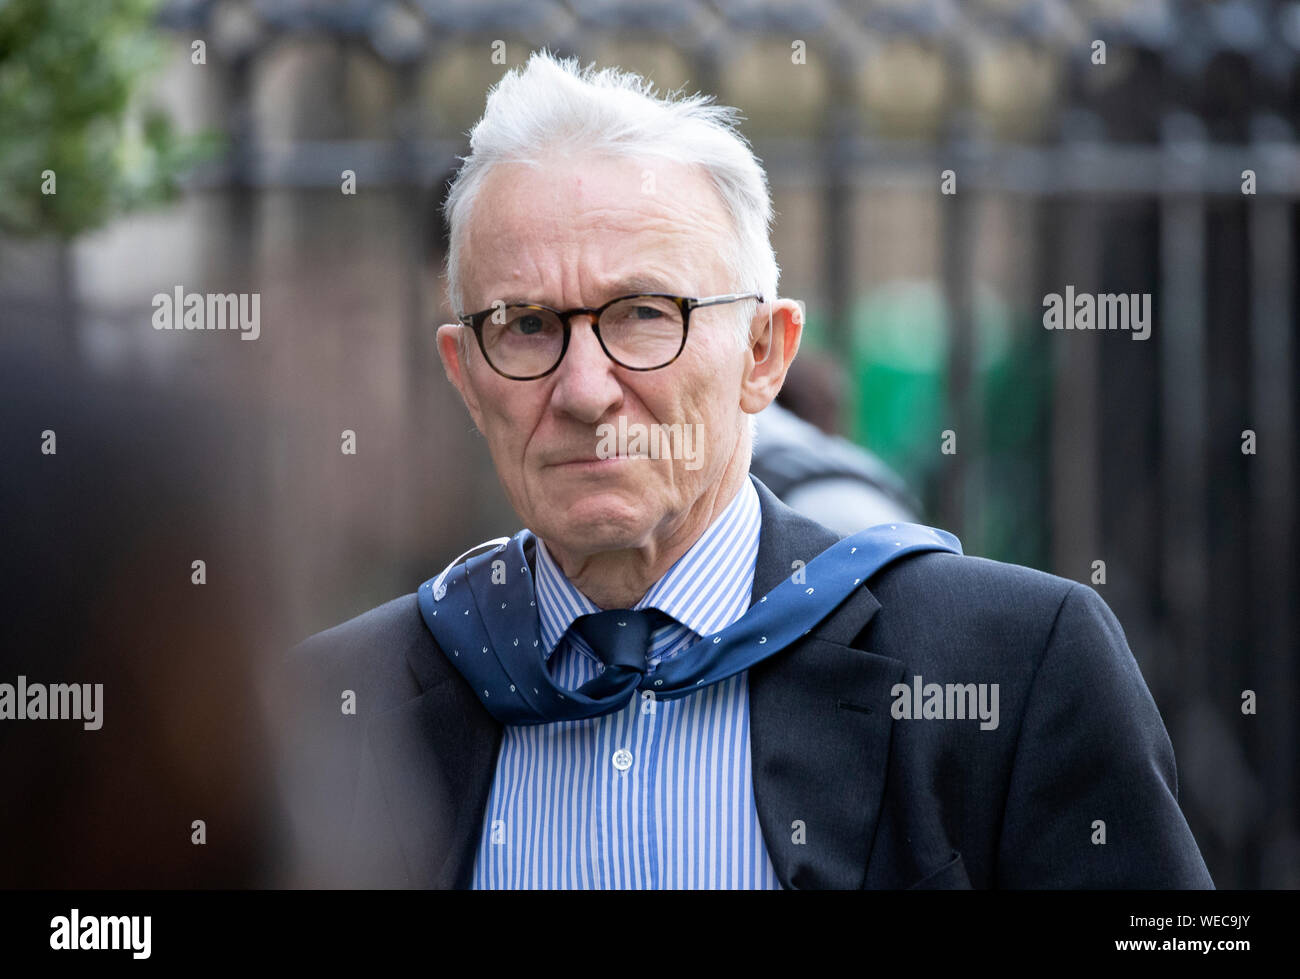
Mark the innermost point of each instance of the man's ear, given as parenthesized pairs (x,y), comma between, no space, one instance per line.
(449,350)
(770,352)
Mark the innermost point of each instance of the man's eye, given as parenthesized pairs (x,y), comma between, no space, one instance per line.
(529,325)
(646,312)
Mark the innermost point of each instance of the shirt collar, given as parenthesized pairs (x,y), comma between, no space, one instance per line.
(706,589)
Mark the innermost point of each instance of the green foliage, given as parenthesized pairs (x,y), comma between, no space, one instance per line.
(70,72)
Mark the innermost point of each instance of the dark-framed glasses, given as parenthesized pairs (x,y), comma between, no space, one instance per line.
(642,332)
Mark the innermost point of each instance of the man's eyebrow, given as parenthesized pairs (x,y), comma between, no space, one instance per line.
(638,283)
(628,286)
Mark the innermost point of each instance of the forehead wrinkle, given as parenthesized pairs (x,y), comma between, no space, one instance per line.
(601,272)
(600,288)
(576,243)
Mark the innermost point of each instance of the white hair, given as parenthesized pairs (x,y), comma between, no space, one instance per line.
(551,102)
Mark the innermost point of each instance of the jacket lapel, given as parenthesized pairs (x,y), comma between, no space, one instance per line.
(819,723)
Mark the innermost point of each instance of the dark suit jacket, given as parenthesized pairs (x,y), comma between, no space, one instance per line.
(394,795)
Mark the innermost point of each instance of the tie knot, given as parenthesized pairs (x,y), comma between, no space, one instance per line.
(620,636)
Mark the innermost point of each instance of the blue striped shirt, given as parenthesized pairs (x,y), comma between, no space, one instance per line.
(659,794)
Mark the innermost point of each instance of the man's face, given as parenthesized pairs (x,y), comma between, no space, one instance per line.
(578,233)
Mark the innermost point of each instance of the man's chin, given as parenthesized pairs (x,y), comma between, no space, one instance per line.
(595,519)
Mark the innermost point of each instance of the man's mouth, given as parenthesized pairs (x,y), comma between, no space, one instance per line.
(588,461)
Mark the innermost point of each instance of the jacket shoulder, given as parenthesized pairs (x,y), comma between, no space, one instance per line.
(961,568)
(954,587)
(378,651)
(385,626)
(949,612)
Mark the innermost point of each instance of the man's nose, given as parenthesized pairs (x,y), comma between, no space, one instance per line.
(586,386)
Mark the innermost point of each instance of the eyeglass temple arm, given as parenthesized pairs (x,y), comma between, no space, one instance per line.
(729,298)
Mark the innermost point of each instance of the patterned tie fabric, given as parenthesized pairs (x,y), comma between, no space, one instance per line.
(483,613)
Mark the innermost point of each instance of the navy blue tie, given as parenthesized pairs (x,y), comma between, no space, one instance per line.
(620,639)
(482,611)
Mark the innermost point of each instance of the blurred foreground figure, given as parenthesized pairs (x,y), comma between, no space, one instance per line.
(112,490)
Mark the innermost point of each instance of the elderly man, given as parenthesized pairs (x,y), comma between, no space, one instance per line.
(670,679)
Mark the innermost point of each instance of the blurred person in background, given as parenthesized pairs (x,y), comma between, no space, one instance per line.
(800,458)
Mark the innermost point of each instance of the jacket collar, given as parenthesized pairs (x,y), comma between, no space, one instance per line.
(819,739)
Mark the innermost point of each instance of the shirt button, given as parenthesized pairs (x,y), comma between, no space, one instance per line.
(622,759)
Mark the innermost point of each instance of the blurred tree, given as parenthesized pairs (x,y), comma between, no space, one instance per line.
(69,73)
(77,147)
